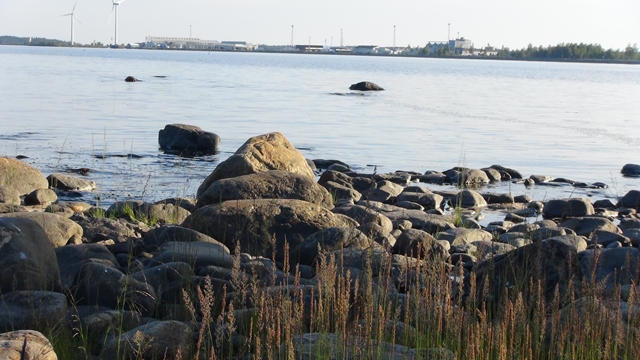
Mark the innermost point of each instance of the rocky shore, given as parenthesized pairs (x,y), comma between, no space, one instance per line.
(270,261)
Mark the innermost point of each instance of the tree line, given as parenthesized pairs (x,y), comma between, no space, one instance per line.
(572,51)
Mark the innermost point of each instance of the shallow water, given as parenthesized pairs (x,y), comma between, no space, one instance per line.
(61,107)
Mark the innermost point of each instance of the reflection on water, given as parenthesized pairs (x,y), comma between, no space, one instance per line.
(70,108)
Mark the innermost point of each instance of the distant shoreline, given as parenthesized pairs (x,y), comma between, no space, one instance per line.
(555,60)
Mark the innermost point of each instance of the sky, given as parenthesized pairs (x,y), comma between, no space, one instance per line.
(509,23)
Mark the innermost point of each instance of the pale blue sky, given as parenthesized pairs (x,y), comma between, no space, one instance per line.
(512,23)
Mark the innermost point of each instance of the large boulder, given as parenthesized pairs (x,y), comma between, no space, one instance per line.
(167,233)
(15,174)
(32,310)
(70,183)
(9,196)
(468,199)
(419,244)
(586,226)
(630,200)
(187,140)
(260,153)
(100,229)
(26,344)
(462,236)
(27,258)
(59,229)
(365,86)
(632,170)
(72,257)
(196,253)
(166,340)
(331,239)
(610,266)
(561,208)
(254,223)
(272,184)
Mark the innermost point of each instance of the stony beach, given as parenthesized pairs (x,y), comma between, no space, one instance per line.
(279,256)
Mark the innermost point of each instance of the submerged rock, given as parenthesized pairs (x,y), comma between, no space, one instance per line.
(187,140)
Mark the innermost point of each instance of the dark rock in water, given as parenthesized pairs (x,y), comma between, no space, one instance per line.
(631,170)
(560,208)
(630,200)
(323,164)
(187,140)
(512,173)
(365,86)
(131,79)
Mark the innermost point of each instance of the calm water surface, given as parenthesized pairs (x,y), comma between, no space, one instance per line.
(61,106)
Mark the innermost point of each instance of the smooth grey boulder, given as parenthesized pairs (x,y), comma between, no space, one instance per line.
(15,174)
(59,229)
(562,208)
(174,233)
(102,325)
(336,177)
(632,170)
(492,198)
(586,226)
(160,339)
(41,197)
(365,86)
(254,223)
(341,192)
(611,266)
(260,153)
(434,177)
(196,253)
(70,183)
(633,235)
(427,200)
(271,184)
(468,199)
(474,177)
(419,244)
(461,236)
(512,174)
(630,200)
(331,239)
(363,214)
(27,258)
(604,238)
(72,257)
(9,196)
(492,174)
(577,242)
(100,229)
(188,140)
(168,280)
(32,310)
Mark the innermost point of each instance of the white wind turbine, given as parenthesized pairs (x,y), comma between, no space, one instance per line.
(73,16)
(115,7)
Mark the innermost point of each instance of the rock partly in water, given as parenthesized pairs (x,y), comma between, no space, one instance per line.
(70,183)
(260,153)
(561,208)
(632,170)
(188,140)
(365,86)
(131,79)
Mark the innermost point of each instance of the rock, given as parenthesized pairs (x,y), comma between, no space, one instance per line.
(102,285)
(32,310)
(632,170)
(579,243)
(633,235)
(365,86)
(419,244)
(336,177)
(59,229)
(586,226)
(342,192)
(72,257)
(379,195)
(513,174)
(167,233)
(630,200)
(610,266)
(486,249)
(562,208)
(100,229)
(25,344)
(522,199)
(70,183)
(168,340)
(197,254)
(492,174)
(474,177)
(546,232)
(131,79)
(553,265)
(9,196)
(339,167)
(42,197)
(27,258)
(103,325)
(434,177)
(166,214)
(363,214)
(409,205)
(271,184)
(185,203)
(331,239)
(323,164)
(539,179)
(168,280)
(427,200)
(187,140)
(468,199)
(459,236)
(605,238)
(253,223)
(260,153)
(20,177)
(498,198)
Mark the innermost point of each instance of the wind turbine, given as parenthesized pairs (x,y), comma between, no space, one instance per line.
(73,16)
(115,7)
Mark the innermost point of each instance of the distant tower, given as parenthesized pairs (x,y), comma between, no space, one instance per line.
(449,33)
(341,43)
(332,41)
(291,35)
(394,36)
